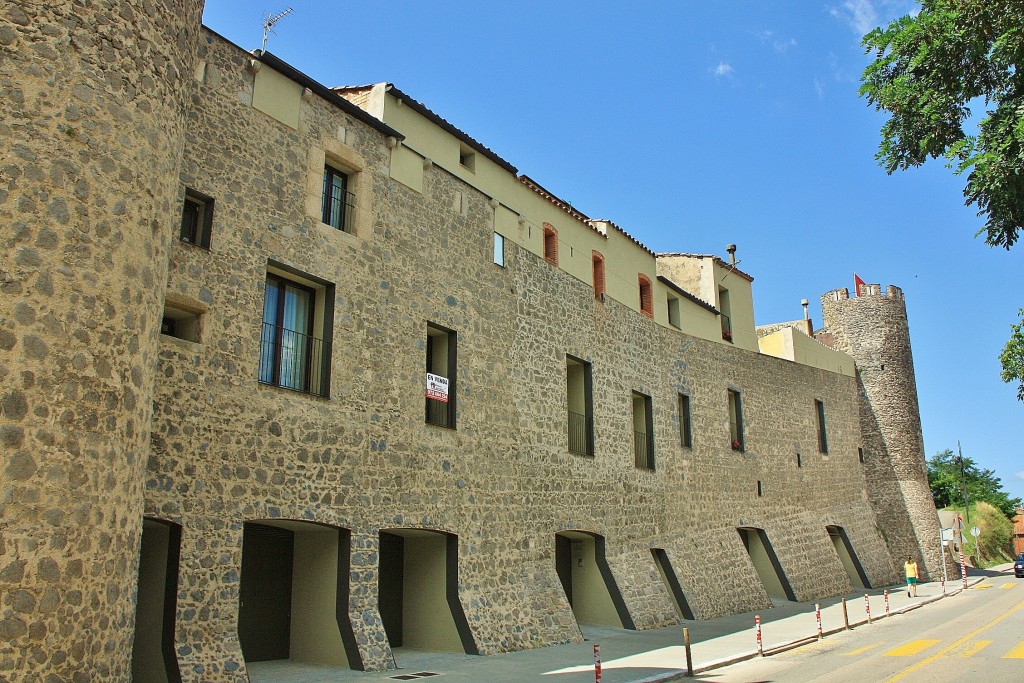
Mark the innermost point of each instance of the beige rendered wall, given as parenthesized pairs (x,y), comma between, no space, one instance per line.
(590,600)
(792,345)
(277,96)
(315,636)
(426,618)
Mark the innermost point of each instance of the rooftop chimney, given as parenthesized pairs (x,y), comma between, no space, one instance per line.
(731,249)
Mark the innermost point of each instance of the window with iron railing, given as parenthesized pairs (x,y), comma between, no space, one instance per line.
(643,432)
(726,327)
(338,202)
(736,420)
(293,353)
(441,370)
(819,410)
(579,397)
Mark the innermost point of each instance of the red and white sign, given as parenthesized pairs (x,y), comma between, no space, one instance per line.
(437,387)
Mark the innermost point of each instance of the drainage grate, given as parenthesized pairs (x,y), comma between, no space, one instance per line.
(413,677)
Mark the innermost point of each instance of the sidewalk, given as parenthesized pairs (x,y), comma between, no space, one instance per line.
(639,656)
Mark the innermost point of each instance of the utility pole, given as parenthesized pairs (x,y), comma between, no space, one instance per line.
(963,480)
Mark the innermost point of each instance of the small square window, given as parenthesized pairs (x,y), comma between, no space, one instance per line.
(467,159)
(196,219)
(673,312)
(499,250)
(180,323)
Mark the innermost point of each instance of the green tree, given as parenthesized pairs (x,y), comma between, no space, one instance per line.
(930,69)
(1012,357)
(947,484)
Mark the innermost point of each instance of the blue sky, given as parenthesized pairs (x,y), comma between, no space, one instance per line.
(696,124)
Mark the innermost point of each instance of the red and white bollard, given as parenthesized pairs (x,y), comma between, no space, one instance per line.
(757,624)
(886,603)
(817,615)
(867,607)
(963,568)
(943,586)
(597,664)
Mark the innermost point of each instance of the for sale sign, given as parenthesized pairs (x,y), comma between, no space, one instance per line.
(437,387)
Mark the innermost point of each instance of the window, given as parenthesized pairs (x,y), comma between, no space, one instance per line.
(338,202)
(499,249)
(643,431)
(673,312)
(685,422)
(598,261)
(646,298)
(441,370)
(760,489)
(819,409)
(467,159)
(860,455)
(295,351)
(736,420)
(180,323)
(725,307)
(580,399)
(550,244)
(196,219)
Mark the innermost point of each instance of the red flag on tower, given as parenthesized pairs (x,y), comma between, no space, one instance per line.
(857,284)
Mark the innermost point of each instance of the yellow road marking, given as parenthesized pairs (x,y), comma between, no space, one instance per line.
(860,650)
(911,648)
(983,586)
(972,648)
(1007,585)
(1015,653)
(925,662)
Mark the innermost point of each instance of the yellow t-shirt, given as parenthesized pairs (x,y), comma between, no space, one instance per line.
(911,569)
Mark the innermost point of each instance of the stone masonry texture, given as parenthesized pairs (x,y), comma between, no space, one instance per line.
(116,108)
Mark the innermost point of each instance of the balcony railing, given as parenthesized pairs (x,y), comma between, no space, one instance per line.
(641,449)
(339,209)
(581,432)
(440,413)
(726,327)
(292,360)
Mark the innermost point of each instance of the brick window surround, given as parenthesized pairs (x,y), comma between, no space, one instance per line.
(550,244)
(646,296)
(599,287)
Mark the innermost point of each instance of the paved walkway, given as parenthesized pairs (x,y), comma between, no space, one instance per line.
(638,656)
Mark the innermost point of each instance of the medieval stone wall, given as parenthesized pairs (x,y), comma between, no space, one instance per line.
(227,450)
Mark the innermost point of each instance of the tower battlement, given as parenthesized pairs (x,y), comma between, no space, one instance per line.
(867,291)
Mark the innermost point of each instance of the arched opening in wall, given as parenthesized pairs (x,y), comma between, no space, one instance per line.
(766,563)
(550,244)
(153,655)
(841,542)
(587,580)
(418,591)
(599,279)
(646,295)
(293,596)
(671,581)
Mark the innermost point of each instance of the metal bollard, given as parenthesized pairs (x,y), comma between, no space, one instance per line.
(817,615)
(689,658)
(597,663)
(867,607)
(757,623)
(846,616)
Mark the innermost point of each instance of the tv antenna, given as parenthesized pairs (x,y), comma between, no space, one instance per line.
(268,25)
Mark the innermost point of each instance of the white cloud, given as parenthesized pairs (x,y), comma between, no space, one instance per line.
(723,69)
(1019,475)
(861,15)
(819,88)
(780,44)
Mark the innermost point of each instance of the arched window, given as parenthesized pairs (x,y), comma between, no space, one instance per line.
(646,296)
(598,275)
(550,244)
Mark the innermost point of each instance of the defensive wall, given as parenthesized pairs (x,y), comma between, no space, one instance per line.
(485,529)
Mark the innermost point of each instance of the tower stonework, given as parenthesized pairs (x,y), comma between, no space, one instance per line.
(91,123)
(873,329)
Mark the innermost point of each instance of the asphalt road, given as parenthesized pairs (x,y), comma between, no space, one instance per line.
(977,635)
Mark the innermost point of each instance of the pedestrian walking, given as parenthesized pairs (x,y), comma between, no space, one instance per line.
(910,568)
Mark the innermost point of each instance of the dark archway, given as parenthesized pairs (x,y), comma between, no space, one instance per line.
(156,604)
(587,580)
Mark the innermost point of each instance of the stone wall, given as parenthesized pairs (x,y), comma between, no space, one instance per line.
(91,121)
(227,450)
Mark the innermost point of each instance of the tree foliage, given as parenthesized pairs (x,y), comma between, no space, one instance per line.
(1012,357)
(995,542)
(947,484)
(931,72)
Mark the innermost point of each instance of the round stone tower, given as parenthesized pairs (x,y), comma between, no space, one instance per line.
(91,122)
(873,329)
